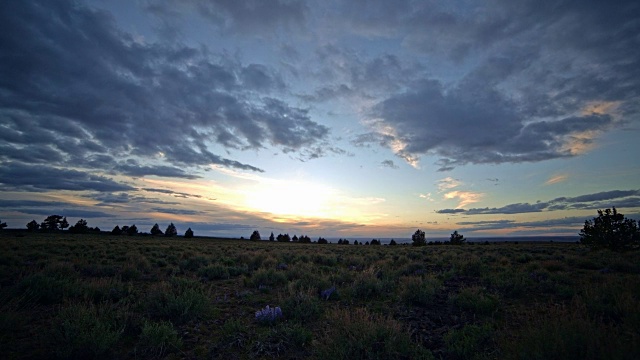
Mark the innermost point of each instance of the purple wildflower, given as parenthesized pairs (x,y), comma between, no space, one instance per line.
(268,314)
(325,294)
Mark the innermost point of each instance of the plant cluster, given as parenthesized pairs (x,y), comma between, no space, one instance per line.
(268,315)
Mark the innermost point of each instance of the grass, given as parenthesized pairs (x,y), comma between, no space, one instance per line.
(99,296)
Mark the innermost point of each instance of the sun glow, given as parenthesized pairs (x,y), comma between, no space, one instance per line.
(291,198)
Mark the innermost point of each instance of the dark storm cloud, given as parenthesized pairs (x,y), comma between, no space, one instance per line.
(137,170)
(257,18)
(451,211)
(19,177)
(70,213)
(110,199)
(601,200)
(567,222)
(527,73)
(14,204)
(176,211)
(345,73)
(171,192)
(77,91)
(469,125)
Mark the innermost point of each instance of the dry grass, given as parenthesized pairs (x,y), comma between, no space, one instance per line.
(144,296)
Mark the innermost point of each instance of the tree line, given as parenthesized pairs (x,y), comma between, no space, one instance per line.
(610,230)
(60,223)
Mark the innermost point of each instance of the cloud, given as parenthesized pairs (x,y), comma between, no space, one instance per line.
(21,177)
(464,197)
(567,222)
(601,200)
(14,204)
(469,125)
(556,179)
(389,164)
(448,183)
(451,211)
(527,83)
(80,92)
(136,170)
(260,18)
(110,199)
(70,213)
(176,211)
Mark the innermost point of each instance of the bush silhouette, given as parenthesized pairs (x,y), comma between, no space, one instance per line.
(610,230)
(418,238)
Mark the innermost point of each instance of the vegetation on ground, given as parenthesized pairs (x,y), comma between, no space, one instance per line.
(115,296)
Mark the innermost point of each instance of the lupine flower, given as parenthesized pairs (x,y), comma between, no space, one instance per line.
(268,314)
(325,294)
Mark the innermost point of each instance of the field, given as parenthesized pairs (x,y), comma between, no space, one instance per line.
(103,296)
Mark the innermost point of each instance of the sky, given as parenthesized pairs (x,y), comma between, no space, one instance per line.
(327,118)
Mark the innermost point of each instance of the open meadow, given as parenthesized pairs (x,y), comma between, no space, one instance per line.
(103,296)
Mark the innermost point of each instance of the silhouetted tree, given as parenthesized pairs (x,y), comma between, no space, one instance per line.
(322,241)
(271,237)
(418,238)
(33,225)
(2,225)
(171,230)
(457,239)
(255,236)
(375,242)
(304,239)
(188,233)
(132,230)
(80,227)
(355,242)
(116,230)
(610,230)
(155,230)
(392,242)
(345,242)
(294,238)
(340,242)
(54,222)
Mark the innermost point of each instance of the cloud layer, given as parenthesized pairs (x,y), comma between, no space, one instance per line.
(79,92)
(601,200)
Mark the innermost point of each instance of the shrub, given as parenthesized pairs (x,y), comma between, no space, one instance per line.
(302,307)
(358,334)
(367,287)
(610,230)
(193,263)
(267,278)
(49,289)
(178,305)
(86,331)
(568,333)
(214,272)
(158,338)
(468,342)
(477,300)
(419,292)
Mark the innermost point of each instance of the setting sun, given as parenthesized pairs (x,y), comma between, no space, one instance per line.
(291,198)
